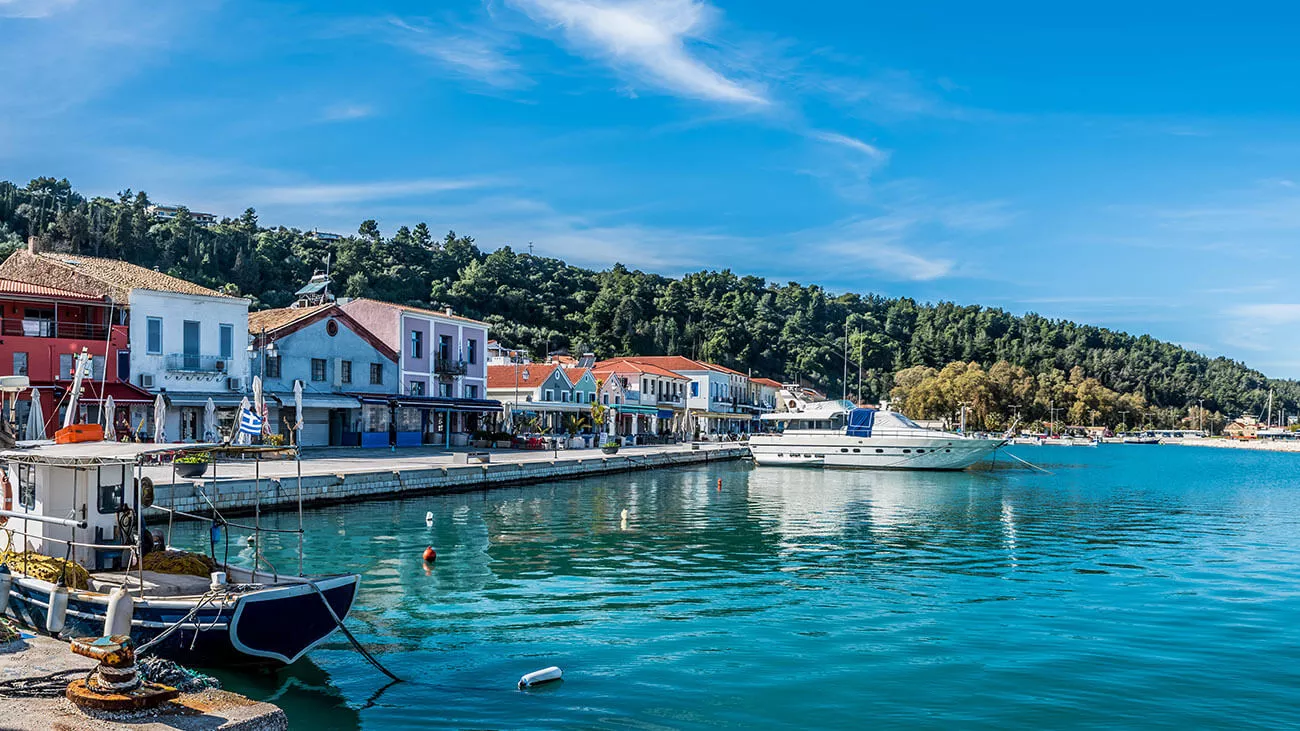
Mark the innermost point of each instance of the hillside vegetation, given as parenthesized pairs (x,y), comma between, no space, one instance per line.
(784,330)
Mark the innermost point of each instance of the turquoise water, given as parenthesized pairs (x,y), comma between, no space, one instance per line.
(1135,587)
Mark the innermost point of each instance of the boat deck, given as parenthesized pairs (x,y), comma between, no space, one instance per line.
(155,584)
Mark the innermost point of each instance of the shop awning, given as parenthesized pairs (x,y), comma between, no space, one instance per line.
(634,409)
(223,399)
(437,403)
(365,398)
(665,413)
(319,400)
(122,393)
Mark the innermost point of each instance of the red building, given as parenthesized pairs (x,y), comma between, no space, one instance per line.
(43,329)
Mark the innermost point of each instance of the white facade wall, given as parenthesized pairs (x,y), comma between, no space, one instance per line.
(174,310)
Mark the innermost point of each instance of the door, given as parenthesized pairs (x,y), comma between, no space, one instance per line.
(190,341)
(124,366)
(337,417)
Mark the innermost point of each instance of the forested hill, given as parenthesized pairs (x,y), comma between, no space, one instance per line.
(782,330)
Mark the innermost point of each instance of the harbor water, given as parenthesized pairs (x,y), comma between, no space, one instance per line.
(1132,587)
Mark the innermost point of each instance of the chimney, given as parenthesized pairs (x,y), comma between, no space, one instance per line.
(33,244)
(449,312)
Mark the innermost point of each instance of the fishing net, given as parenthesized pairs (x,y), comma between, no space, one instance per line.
(167,672)
(47,568)
(179,562)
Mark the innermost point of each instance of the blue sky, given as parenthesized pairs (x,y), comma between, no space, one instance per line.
(1132,165)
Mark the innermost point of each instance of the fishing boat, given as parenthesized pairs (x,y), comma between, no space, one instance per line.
(74,547)
(836,433)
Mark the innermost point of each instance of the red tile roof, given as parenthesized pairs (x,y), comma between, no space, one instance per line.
(94,276)
(15,287)
(286,320)
(421,311)
(629,365)
(503,376)
(766,382)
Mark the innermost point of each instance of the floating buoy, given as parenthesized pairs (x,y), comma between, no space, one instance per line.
(719,484)
(430,555)
(623,515)
(117,621)
(57,614)
(428,518)
(622,520)
(6,583)
(545,675)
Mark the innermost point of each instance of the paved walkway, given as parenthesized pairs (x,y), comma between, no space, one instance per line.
(354,460)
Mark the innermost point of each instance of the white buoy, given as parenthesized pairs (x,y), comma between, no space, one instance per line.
(545,675)
(6,584)
(428,518)
(622,520)
(117,621)
(57,614)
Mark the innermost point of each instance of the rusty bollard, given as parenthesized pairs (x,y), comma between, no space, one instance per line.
(116,684)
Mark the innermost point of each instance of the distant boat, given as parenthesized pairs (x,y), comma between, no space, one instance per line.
(838,434)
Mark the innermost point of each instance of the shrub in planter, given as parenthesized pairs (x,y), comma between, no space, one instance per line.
(192,464)
(610,447)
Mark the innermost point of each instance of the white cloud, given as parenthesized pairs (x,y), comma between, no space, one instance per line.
(33,8)
(885,257)
(473,53)
(653,42)
(344,112)
(327,193)
(1268,314)
(853,143)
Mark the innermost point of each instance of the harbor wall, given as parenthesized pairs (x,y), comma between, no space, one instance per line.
(241,496)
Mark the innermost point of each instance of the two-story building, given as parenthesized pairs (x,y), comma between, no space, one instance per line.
(339,363)
(43,330)
(442,369)
(539,396)
(184,340)
(655,397)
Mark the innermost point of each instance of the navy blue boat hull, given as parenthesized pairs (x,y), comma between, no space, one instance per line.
(273,626)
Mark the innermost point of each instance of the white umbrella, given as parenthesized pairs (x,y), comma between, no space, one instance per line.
(241,436)
(159,420)
(36,418)
(297,410)
(508,419)
(110,410)
(210,433)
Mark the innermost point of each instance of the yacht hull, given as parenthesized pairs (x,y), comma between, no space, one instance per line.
(942,452)
(274,625)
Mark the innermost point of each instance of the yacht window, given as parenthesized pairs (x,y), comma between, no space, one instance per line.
(906,421)
(907,451)
(843,449)
(920,451)
(110,488)
(880,451)
(27,486)
(856,450)
(947,450)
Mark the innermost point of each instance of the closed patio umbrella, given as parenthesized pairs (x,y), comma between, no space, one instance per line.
(36,418)
(109,408)
(297,411)
(242,437)
(159,420)
(210,432)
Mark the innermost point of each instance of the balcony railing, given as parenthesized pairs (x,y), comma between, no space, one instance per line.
(186,363)
(449,367)
(17,327)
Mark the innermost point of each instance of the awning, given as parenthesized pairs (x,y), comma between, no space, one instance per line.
(634,409)
(198,398)
(122,393)
(665,413)
(366,399)
(718,415)
(319,400)
(447,404)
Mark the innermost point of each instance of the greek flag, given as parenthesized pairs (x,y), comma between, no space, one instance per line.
(249,423)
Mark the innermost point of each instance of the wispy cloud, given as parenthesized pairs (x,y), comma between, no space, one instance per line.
(649,42)
(885,256)
(344,112)
(33,8)
(1268,314)
(474,53)
(329,193)
(853,143)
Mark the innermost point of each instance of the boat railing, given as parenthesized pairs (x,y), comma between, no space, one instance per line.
(26,553)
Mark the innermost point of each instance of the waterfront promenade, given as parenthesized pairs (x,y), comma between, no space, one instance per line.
(341,475)
(1258,445)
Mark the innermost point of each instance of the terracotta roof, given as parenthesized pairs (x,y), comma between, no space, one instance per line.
(503,376)
(627,365)
(766,382)
(95,276)
(15,287)
(421,311)
(275,319)
(287,320)
(670,362)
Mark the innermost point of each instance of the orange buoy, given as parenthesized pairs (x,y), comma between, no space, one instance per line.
(719,483)
(430,555)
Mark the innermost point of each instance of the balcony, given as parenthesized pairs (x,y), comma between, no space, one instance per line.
(24,328)
(186,363)
(449,367)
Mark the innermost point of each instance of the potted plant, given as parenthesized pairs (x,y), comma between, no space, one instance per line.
(192,464)
(574,423)
(610,445)
(482,439)
(502,440)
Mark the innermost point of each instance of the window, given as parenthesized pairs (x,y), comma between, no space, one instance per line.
(97,367)
(564,396)
(153,344)
(550,395)
(376,374)
(227,341)
(345,370)
(417,344)
(471,391)
(416,388)
(20,364)
(272,366)
(65,367)
(444,347)
(331,328)
(27,486)
(317,369)
(695,389)
(471,351)
(110,488)
(444,390)
(38,323)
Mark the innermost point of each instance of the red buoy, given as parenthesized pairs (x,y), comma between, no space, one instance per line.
(430,555)
(719,483)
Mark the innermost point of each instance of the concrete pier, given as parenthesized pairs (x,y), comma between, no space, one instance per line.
(33,657)
(334,476)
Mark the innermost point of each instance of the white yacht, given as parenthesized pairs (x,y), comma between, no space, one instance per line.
(838,434)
